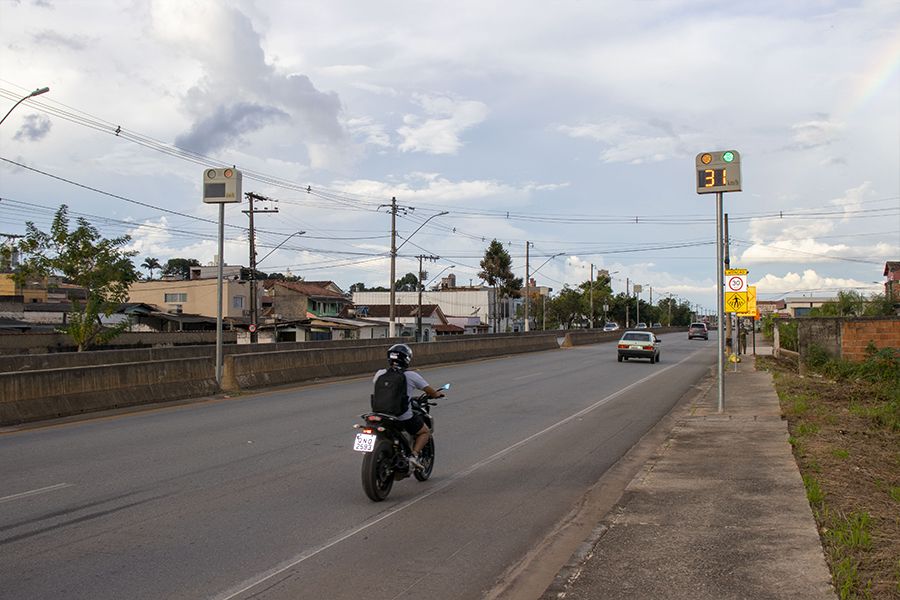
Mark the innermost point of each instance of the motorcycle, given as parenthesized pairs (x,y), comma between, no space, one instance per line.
(387,448)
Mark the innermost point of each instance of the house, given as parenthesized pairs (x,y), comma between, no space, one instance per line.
(892,285)
(478,302)
(771,307)
(295,299)
(799,306)
(196,297)
(468,325)
(406,318)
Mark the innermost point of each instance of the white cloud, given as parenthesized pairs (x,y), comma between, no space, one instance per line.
(809,280)
(628,140)
(439,132)
(813,134)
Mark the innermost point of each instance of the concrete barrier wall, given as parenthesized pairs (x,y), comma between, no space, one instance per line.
(43,343)
(246,371)
(49,393)
(60,360)
(41,393)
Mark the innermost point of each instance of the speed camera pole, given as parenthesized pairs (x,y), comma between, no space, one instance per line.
(719,172)
(720,305)
(221,186)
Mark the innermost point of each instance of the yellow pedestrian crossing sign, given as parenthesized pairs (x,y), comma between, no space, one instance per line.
(735,302)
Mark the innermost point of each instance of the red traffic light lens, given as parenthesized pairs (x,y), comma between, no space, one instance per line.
(228,173)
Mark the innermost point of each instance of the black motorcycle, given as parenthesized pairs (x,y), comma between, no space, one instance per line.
(387,449)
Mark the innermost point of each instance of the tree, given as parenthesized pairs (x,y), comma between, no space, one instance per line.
(151,264)
(84,258)
(180,267)
(496,271)
(407,283)
(567,307)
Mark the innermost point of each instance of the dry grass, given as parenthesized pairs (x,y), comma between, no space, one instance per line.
(850,464)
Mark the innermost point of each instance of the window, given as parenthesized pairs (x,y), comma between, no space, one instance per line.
(179,297)
(237,302)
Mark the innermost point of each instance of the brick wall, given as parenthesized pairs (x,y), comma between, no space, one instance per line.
(856,334)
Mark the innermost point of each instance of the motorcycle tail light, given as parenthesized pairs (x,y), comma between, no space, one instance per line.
(368,430)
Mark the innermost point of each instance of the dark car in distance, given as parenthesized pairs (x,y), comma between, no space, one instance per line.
(698,330)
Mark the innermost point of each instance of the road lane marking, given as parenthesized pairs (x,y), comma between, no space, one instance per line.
(527,376)
(249,584)
(43,490)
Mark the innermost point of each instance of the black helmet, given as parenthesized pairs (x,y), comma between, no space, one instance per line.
(399,355)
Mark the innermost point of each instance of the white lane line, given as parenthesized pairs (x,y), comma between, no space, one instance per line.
(299,558)
(43,490)
(527,376)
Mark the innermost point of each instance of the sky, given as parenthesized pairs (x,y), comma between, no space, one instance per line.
(571,125)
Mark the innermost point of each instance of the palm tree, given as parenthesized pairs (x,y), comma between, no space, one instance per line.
(150,264)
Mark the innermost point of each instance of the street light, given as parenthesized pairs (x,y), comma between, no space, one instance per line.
(392,325)
(439,274)
(528,277)
(279,246)
(36,92)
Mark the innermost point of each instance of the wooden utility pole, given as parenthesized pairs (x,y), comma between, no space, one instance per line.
(254,313)
(422,257)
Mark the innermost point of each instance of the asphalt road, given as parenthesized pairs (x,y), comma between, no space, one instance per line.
(260,496)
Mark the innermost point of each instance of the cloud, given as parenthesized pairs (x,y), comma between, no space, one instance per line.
(226,125)
(440,132)
(35,128)
(814,134)
(631,141)
(371,132)
(66,42)
(230,53)
(808,281)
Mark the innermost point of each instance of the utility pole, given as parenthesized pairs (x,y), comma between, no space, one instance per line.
(422,257)
(627,298)
(254,316)
(527,282)
(592,296)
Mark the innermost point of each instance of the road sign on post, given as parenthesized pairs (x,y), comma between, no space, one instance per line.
(718,171)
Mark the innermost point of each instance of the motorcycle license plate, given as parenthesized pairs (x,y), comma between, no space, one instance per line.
(364,442)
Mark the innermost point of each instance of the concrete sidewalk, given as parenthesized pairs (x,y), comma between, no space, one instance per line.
(720,512)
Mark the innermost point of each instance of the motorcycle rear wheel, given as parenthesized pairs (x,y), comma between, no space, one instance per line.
(377,471)
(427,458)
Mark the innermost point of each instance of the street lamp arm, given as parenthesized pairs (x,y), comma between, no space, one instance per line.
(420,227)
(279,246)
(36,92)
(546,261)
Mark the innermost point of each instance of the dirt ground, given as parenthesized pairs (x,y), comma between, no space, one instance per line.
(851,467)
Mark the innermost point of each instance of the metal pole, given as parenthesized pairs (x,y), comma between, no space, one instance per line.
(392,330)
(527,275)
(592,296)
(219,296)
(720,305)
(627,303)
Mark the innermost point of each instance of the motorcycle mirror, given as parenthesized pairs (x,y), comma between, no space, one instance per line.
(446,386)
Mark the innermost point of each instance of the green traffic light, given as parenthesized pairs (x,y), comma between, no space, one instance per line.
(728,156)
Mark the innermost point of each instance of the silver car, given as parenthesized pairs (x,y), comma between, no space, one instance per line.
(639,344)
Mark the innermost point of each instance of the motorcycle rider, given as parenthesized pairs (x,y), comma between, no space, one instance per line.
(400,357)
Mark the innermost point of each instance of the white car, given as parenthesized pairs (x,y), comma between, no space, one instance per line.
(611,327)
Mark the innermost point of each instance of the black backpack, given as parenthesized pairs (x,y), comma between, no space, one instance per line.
(390,393)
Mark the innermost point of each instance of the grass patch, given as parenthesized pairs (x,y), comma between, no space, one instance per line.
(844,427)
